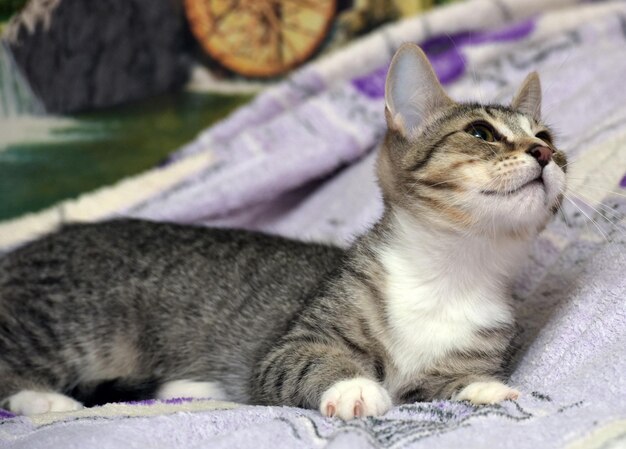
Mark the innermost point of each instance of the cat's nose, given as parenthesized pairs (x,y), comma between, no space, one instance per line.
(542,154)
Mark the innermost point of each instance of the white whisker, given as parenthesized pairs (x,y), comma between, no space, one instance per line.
(603,189)
(590,219)
(614,224)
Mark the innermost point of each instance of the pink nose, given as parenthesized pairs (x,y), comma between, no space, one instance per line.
(542,154)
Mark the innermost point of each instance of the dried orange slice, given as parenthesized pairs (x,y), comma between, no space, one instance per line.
(260,38)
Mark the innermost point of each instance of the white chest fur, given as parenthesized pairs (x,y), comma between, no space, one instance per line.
(440,291)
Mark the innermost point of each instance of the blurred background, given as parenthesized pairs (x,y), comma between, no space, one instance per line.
(95,91)
(267,114)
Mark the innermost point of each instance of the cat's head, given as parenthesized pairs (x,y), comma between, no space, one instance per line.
(476,168)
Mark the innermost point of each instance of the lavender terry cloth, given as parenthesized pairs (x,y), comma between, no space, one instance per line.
(298,161)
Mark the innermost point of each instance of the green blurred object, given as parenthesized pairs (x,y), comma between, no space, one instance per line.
(10,7)
(47,159)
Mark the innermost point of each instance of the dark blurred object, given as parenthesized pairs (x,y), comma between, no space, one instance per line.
(85,54)
(358,17)
(10,7)
(260,38)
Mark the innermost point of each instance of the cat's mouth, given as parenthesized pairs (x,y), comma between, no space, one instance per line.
(538,181)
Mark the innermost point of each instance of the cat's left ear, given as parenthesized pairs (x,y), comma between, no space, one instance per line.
(527,100)
(412,90)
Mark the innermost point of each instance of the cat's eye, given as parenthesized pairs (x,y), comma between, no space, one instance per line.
(481,131)
(545,136)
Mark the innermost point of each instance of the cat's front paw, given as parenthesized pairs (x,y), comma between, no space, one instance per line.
(486,393)
(355,398)
(28,402)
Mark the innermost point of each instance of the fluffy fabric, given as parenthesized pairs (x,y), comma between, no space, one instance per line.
(269,167)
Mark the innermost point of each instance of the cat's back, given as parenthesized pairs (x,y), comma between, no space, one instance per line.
(144,259)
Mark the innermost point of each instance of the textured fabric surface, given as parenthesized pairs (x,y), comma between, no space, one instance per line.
(298,162)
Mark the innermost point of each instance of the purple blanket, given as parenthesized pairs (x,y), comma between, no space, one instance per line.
(298,161)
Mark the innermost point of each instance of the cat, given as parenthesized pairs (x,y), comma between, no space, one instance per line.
(416,309)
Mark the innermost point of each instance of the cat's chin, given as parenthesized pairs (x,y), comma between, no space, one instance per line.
(524,213)
(524,209)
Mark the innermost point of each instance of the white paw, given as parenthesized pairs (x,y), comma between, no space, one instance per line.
(486,393)
(28,402)
(356,397)
(191,389)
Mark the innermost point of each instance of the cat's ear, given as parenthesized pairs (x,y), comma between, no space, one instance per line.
(412,90)
(527,100)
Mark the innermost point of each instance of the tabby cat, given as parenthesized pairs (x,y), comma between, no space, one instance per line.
(416,309)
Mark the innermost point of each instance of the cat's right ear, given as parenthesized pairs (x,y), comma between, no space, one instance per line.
(527,100)
(412,90)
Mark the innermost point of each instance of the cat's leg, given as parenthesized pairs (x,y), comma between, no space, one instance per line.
(486,392)
(355,397)
(480,390)
(327,377)
(24,396)
(31,402)
(191,389)
(31,397)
